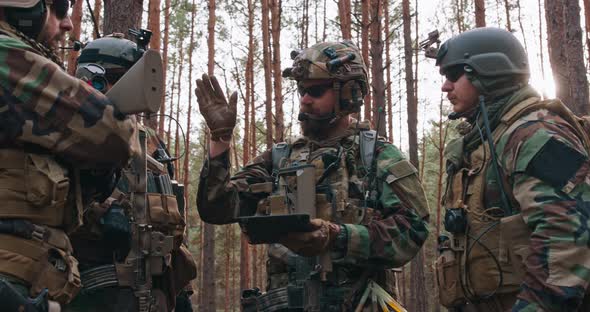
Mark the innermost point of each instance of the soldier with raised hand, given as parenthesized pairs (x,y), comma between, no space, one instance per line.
(371,210)
(103,243)
(518,188)
(59,142)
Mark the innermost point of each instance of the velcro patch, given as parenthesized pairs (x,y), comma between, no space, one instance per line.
(400,169)
(556,163)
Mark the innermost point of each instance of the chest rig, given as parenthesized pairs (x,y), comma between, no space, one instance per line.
(484,254)
(341,196)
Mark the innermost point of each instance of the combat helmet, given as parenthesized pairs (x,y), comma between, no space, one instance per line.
(340,62)
(489,51)
(29,16)
(114,53)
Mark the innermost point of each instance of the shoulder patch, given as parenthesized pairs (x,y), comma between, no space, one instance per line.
(555,163)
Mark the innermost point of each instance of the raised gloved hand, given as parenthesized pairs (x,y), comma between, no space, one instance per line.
(317,241)
(219,115)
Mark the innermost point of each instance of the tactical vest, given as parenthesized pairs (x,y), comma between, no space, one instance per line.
(171,264)
(41,200)
(340,197)
(486,258)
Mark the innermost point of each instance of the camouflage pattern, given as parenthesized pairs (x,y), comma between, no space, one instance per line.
(545,171)
(389,237)
(558,266)
(338,62)
(42,106)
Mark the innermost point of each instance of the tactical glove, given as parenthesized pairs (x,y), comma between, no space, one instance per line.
(219,115)
(317,241)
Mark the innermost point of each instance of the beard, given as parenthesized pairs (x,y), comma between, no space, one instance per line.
(319,129)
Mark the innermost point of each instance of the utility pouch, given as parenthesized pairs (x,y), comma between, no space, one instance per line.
(46,182)
(44,264)
(165,217)
(448,278)
(33,187)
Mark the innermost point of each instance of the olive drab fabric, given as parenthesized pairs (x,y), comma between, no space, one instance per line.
(383,234)
(538,258)
(51,126)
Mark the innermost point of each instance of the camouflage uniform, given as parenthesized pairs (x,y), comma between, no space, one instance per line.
(531,252)
(51,126)
(385,237)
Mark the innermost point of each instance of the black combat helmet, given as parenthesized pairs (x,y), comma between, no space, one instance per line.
(489,51)
(114,53)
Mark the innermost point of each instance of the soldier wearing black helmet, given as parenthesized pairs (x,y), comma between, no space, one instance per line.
(368,210)
(103,242)
(517,190)
(53,131)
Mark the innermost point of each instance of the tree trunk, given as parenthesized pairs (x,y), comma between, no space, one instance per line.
(121,15)
(388,72)
(365,23)
(165,61)
(227,263)
(541,42)
(277,72)
(255,266)
(566,54)
(209,287)
(507,10)
(325,25)
(411,101)
(345,22)
(377,68)
(75,35)
(587,26)
(154,25)
(172,88)
(177,133)
(97,17)
(266,59)
(480,13)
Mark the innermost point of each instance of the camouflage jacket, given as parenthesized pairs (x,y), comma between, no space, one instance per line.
(545,169)
(43,108)
(391,239)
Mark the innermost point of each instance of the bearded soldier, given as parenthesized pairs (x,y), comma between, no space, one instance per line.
(59,142)
(370,208)
(518,186)
(103,243)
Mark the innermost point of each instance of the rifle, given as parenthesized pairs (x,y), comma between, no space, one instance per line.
(148,246)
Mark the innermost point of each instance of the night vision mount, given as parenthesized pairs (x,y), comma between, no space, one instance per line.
(142,37)
(431,44)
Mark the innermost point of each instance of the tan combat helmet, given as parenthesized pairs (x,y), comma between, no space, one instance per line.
(29,16)
(340,62)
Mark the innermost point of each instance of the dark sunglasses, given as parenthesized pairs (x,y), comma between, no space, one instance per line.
(314,91)
(454,73)
(61,8)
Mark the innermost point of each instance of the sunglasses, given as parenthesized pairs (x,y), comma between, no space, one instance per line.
(61,8)
(314,91)
(454,73)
